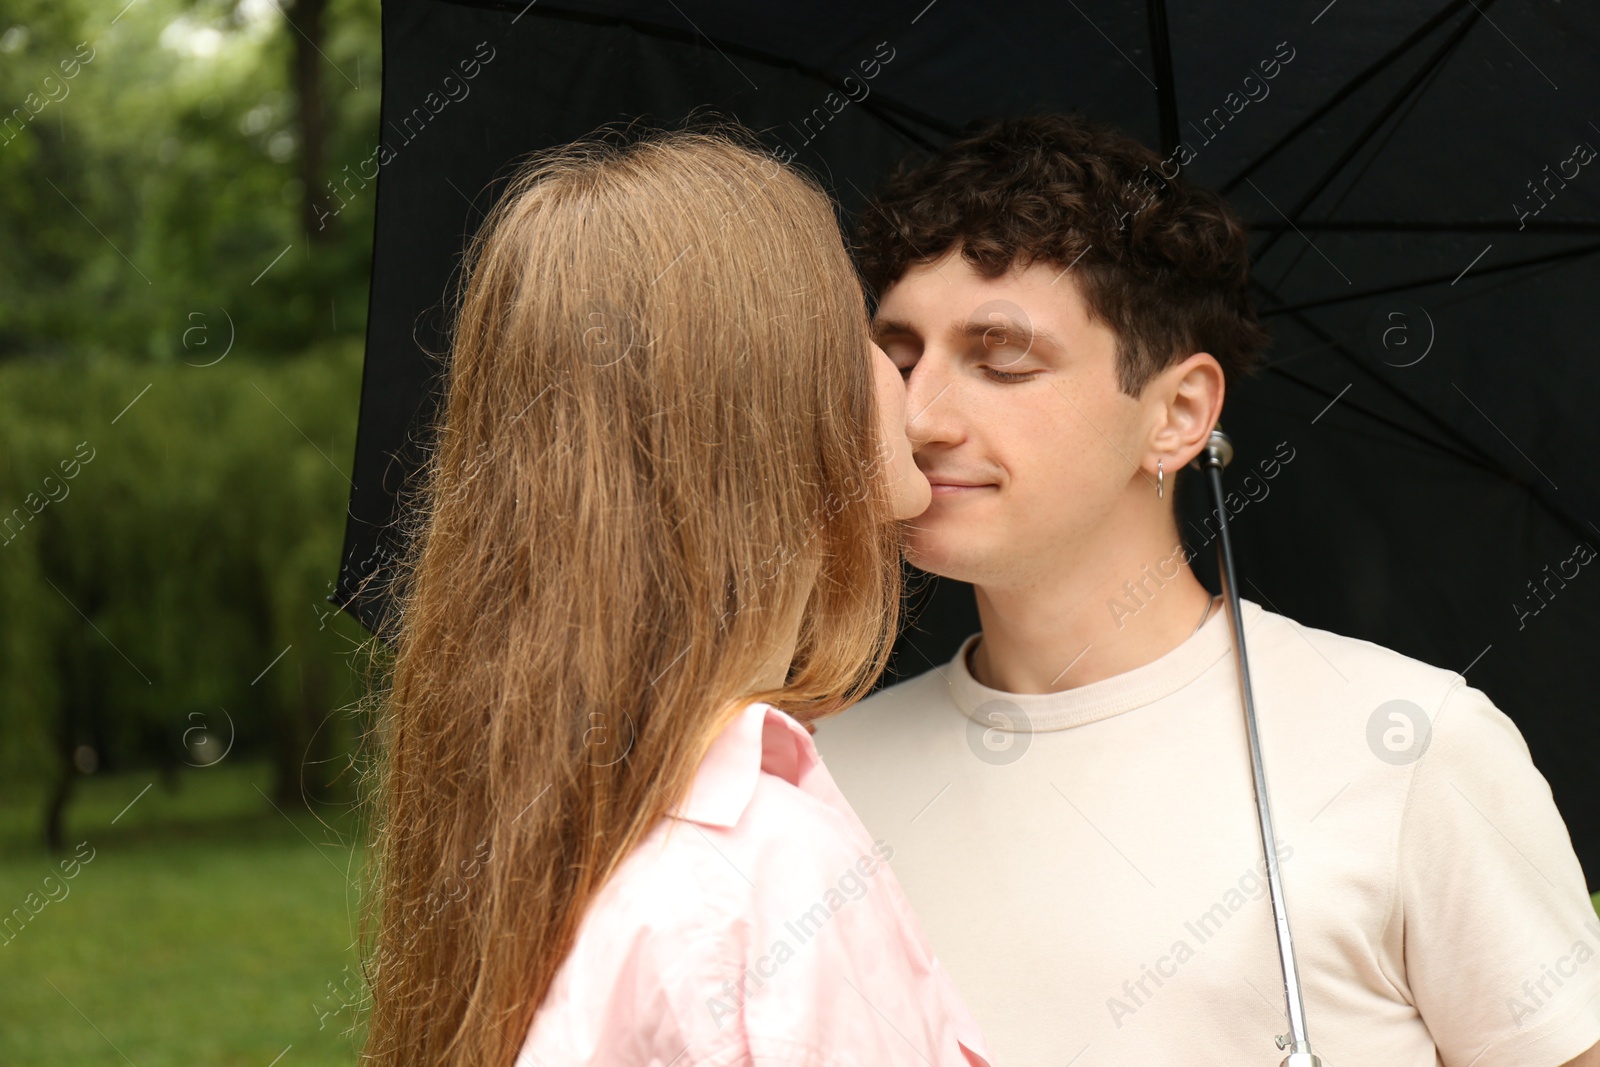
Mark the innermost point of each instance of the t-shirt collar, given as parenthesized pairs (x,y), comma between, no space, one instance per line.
(1145,684)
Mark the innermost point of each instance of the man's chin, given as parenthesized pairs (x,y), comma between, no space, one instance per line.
(939,547)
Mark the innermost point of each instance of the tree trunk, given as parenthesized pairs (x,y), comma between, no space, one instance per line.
(55,811)
(73,668)
(306,17)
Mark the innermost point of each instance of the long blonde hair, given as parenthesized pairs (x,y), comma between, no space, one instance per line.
(660,423)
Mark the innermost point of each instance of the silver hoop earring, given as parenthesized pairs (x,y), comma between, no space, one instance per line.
(1161,480)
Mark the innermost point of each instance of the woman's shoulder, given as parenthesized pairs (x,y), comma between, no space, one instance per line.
(762,842)
(831,965)
(757,917)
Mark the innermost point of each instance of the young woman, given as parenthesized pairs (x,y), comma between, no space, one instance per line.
(657,536)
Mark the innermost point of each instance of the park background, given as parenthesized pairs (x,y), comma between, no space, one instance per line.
(182,306)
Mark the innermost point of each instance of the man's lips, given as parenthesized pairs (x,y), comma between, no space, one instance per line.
(956,487)
(939,479)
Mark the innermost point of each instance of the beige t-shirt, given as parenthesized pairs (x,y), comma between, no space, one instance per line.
(1087,864)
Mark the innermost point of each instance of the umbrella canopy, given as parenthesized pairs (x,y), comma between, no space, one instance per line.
(1424,194)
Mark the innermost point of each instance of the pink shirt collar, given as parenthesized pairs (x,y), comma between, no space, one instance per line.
(762,738)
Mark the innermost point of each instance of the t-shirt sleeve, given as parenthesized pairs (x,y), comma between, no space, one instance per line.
(1502,944)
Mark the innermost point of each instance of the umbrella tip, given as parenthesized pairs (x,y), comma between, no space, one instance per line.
(1218,452)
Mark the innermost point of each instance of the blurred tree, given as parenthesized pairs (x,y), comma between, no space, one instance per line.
(176,171)
(167,540)
(306,18)
(171,302)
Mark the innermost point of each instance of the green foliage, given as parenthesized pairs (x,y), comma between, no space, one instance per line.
(180,370)
(165,533)
(171,508)
(158,180)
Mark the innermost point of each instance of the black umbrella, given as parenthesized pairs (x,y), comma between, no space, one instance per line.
(1419,179)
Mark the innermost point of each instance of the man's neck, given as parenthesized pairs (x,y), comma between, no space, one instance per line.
(1046,637)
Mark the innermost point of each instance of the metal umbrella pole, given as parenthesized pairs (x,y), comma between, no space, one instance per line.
(1217,455)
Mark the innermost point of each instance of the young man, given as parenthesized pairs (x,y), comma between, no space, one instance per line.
(1069,798)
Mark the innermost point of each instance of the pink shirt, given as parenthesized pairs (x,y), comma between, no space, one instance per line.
(756,925)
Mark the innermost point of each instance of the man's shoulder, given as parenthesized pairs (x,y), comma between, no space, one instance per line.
(1460,724)
(1308,653)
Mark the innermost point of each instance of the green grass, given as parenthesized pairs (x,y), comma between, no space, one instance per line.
(206,928)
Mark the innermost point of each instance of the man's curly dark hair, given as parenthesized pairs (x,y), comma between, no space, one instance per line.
(1163,263)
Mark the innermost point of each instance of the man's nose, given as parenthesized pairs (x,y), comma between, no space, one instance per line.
(930,408)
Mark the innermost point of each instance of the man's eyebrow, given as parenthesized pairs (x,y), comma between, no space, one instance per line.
(880,327)
(1010,331)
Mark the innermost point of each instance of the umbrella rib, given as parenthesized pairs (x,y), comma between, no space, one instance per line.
(1344,92)
(1487,463)
(1418,283)
(1408,441)
(1383,420)
(1434,226)
(1166,91)
(894,123)
(1470,452)
(1417,77)
(1355,179)
(731,48)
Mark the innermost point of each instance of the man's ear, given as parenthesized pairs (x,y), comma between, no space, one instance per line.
(1189,397)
